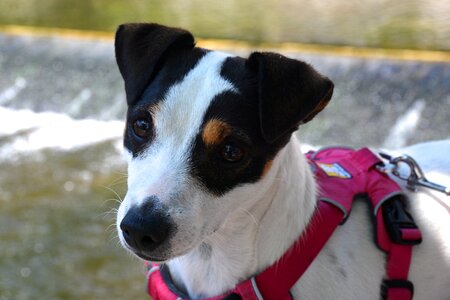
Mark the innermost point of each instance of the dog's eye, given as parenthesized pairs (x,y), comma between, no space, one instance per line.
(142,128)
(231,152)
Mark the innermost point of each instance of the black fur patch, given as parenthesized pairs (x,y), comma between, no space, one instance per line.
(173,71)
(141,49)
(290,91)
(241,112)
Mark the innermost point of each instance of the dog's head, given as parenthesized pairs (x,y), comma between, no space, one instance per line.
(202,130)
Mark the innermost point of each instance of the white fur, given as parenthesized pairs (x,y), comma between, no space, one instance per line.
(250,227)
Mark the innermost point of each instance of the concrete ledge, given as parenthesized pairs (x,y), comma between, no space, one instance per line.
(347,51)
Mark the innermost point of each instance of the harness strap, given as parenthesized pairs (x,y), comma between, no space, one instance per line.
(403,234)
(344,173)
(296,261)
(397,286)
(156,286)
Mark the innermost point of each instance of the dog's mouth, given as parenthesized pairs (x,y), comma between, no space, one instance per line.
(161,256)
(149,258)
(145,256)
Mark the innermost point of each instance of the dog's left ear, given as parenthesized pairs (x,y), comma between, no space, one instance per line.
(290,93)
(140,51)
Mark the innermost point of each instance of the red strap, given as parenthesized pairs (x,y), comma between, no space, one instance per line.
(395,293)
(156,287)
(411,234)
(364,159)
(246,290)
(295,262)
(397,268)
(398,261)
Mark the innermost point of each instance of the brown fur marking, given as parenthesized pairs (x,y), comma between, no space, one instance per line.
(215,131)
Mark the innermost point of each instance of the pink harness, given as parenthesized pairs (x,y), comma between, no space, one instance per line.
(342,175)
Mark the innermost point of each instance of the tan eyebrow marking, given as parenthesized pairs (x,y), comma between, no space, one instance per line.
(215,131)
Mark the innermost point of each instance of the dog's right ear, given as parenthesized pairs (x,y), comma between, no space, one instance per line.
(140,51)
(290,93)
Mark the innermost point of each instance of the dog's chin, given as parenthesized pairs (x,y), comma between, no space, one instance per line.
(156,258)
(160,258)
(150,258)
(145,256)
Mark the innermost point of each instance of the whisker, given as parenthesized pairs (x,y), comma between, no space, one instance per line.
(115,238)
(112,190)
(111,199)
(119,180)
(121,173)
(111,228)
(112,211)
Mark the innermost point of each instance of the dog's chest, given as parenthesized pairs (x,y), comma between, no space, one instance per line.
(349,263)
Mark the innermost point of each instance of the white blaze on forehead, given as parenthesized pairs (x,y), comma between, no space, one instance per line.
(162,167)
(184,106)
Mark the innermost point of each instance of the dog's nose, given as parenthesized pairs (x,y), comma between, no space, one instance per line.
(145,228)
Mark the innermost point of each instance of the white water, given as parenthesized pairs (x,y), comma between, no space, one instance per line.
(405,126)
(29,131)
(11,92)
(78,102)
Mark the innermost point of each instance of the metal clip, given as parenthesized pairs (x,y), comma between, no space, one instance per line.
(416,176)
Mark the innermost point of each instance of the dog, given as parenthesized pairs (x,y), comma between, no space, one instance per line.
(218,187)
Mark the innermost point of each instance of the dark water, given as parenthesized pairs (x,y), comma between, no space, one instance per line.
(56,239)
(61,106)
(380,23)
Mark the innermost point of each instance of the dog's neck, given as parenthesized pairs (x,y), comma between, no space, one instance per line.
(257,234)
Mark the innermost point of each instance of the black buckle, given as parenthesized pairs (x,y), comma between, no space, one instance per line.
(396,283)
(396,218)
(232,296)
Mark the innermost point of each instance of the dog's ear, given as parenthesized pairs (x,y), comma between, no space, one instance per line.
(140,51)
(290,93)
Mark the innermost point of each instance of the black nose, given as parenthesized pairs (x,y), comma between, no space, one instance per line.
(144,227)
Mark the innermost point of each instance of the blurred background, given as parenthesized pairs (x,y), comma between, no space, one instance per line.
(62,107)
